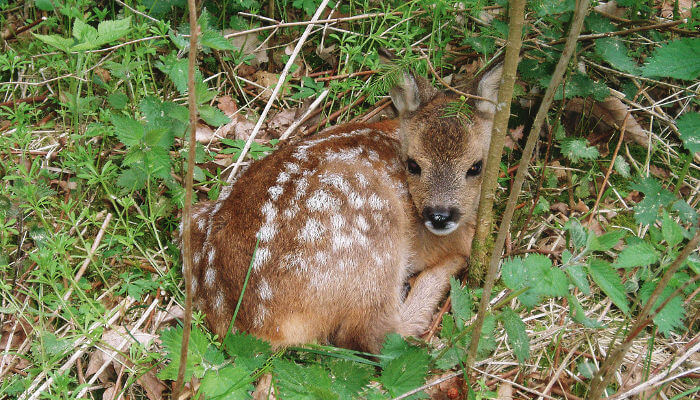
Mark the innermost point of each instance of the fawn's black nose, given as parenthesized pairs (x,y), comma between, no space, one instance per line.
(440,218)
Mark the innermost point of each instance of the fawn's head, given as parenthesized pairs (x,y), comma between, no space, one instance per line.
(444,148)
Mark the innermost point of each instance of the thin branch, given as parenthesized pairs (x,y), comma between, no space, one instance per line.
(187,210)
(622,32)
(306,114)
(493,160)
(278,87)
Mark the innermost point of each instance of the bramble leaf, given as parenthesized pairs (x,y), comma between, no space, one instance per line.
(213,116)
(229,382)
(605,241)
(517,335)
(579,278)
(655,196)
(405,372)
(637,255)
(689,127)
(671,231)
(577,149)
(461,301)
(614,52)
(677,59)
(249,351)
(609,281)
(670,318)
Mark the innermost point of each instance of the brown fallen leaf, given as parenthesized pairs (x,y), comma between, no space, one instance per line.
(513,136)
(606,116)
(505,391)
(239,128)
(250,44)
(227,105)
(204,133)
(280,122)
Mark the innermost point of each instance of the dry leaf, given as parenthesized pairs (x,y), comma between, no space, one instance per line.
(513,136)
(110,393)
(264,389)
(239,128)
(227,105)
(173,313)
(684,7)
(280,122)
(581,207)
(611,8)
(505,391)
(250,44)
(267,80)
(326,54)
(610,114)
(204,133)
(560,207)
(103,74)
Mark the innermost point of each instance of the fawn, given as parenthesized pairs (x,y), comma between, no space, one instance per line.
(342,219)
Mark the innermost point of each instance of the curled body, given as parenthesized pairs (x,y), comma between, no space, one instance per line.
(341,220)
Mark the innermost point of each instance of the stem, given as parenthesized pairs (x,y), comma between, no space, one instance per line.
(607,370)
(187,210)
(493,160)
(684,172)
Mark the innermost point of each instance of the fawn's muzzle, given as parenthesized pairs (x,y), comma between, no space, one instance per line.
(441,220)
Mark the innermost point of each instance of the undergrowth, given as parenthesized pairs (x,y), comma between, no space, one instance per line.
(93,117)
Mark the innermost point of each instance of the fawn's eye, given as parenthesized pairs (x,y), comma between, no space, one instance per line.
(413,166)
(475,169)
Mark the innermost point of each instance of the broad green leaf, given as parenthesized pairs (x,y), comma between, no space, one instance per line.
(606,241)
(172,340)
(622,167)
(670,318)
(176,69)
(133,178)
(639,254)
(249,351)
(517,335)
(609,281)
(84,34)
(406,372)
(577,233)
(109,31)
(44,5)
(117,100)
(579,278)
(687,213)
(213,116)
(689,127)
(655,196)
(394,345)
(587,369)
(294,381)
(597,23)
(672,232)
(349,377)
(216,40)
(487,342)
(230,382)
(614,52)
(481,44)
(677,59)
(551,7)
(61,43)
(579,85)
(461,301)
(128,130)
(577,149)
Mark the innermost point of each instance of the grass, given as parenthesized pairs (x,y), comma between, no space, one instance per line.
(91,159)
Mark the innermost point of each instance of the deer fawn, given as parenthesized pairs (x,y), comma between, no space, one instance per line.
(342,219)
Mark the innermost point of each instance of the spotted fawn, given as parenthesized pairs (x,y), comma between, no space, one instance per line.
(342,219)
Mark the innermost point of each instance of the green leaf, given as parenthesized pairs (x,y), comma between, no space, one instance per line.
(461,301)
(609,281)
(132,179)
(394,345)
(606,241)
(614,52)
(176,69)
(577,233)
(579,278)
(229,382)
(677,59)
(213,116)
(687,213)
(85,34)
(294,381)
(638,254)
(577,149)
(670,318)
(349,377)
(487,342)
(406,372)
(481,44)
(216,40)
(655,196)
(689,127)
(128,130)
(671,231)
(517,335)
(44,5)
(249,351)
(117,100)
(579,85)
(109,31)
(622,167)
(587,369)
(172,340)
(579,315)
(61,43)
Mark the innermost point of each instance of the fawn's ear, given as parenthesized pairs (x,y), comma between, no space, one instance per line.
(488,89)
(410,92)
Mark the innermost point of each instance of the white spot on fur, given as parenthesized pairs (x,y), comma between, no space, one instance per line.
(264,290)
(355,200)
(361,180)
(343,154)
(201,223)
(291,168)
(267,232)
(294,261)
(260,316)
(269,211)
(362,223)
(211,255)
(275,192)
(302,185)
(341,241)
(337,221)
(321,257)
(359,238)
(219,301)
(282,177)
(312,231)
(261,257)
(376,203)
(373,155)
(291,211)
(197,257)
(321,200)
(209,276)
(337,181)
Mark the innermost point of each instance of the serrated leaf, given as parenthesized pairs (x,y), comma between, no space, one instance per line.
(689,128)
(670,318)
(128,130)
(406,372)
(249,351)
(687,213)
(516,275)
(579,278)
(577,149)
(216,40)
(172,340)
(213,116)
(622,167)
(637,255)
(609,281)
(577,233)
(677,59)
(294,381)
(606,241)
(487,342)
(579,85)
(117,100)
(349,377)
(614,51)
(84,33)
(655,196)
(176,69)
(671,231)
(461,301)
(109,31)
(61,43)
(44,5)
(132,179)
(230,382)
(517,335)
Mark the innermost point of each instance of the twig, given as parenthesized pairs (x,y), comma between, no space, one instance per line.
(187,209)
(135,11)
(335,115)
(306,114)
(345,76)
(280,82)
(35,99)
(429,385)
(447,85)
(491,169)
(622,32)
(559,370)
(25,28)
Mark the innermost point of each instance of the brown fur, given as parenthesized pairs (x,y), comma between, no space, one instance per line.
(339,224)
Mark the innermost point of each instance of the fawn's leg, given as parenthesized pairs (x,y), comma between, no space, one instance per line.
(417,310)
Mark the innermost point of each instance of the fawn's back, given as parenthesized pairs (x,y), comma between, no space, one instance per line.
(341,220)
